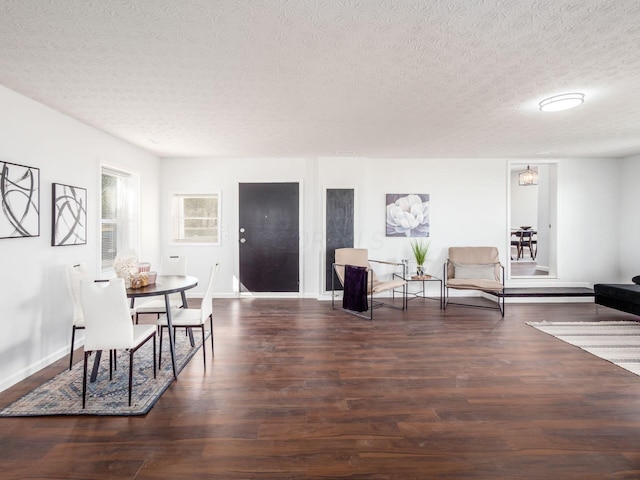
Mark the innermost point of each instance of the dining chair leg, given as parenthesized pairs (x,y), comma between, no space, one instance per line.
(204,350)
(130,374)
(153,359)
(160,348)
(211,326)
(73,341)
(84,379)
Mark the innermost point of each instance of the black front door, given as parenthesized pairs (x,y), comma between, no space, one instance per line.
(269,237)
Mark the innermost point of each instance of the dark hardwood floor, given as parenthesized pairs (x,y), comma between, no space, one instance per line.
(299,391)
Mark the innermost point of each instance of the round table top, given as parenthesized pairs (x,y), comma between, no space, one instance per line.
(164,285)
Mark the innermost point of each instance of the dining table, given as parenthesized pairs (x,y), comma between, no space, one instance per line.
(165,285)
(524,236)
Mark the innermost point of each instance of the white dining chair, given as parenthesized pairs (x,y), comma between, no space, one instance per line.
(75,275)
(108,326)
(171,265)
(193,317)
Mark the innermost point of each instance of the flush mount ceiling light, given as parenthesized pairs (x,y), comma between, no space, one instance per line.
(561,102)
(528,177)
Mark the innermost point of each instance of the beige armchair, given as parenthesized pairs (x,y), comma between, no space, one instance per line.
(359,257)
(474,268)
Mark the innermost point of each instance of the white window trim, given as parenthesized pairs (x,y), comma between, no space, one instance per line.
(173,218)
(133,230)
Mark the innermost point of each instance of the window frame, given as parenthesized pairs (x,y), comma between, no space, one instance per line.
(177,218)
(128,227)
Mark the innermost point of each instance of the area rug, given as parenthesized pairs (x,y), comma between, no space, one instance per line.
(62,395)
(616,342)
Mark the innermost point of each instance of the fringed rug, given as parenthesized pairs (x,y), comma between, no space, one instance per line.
(62,395)
(616,342)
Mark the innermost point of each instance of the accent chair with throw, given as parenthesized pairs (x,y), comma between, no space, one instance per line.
(360,282)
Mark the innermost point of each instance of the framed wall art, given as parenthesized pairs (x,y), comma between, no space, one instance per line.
(20,201)
(69,222)
(407,215)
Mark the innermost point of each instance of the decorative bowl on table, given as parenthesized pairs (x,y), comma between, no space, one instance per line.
(136,280)
(525,227)
(420,277)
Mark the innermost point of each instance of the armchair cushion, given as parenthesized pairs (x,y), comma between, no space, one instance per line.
(474,284)
(473,256)
(379,286)
(475,271)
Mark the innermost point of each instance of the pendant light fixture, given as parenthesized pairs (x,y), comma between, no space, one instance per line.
(528,177)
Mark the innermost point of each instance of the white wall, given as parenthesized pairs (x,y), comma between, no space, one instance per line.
(223,176)
(467,201)
(468,207)
(35,309)
(629,258)
(589,220)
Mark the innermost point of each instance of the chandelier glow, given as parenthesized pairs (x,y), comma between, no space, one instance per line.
(561,102)
(528,177)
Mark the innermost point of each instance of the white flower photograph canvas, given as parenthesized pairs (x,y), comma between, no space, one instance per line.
(407,215)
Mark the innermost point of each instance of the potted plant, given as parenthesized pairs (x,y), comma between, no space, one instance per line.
(420,249)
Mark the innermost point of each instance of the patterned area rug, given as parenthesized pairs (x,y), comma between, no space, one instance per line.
(62,395)
(616,342)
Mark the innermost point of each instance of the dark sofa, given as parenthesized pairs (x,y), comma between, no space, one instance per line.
(623,297)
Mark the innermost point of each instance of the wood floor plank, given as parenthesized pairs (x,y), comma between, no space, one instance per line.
(297,390)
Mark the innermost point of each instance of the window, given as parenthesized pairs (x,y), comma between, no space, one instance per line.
(196,219)
(119,221)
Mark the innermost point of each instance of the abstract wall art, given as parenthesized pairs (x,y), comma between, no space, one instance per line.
(69,223)
(407,214)
(19,200)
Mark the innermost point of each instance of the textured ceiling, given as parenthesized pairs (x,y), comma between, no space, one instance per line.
(379,78)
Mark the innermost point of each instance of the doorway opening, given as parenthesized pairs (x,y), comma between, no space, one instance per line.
(532,215)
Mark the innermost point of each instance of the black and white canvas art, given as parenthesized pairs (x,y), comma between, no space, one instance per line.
(20,200)
(407,214)
(69,224)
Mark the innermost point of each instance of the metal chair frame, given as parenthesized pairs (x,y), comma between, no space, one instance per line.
(497,293)
(372,304)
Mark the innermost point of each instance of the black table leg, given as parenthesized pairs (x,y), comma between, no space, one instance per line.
(172,347)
